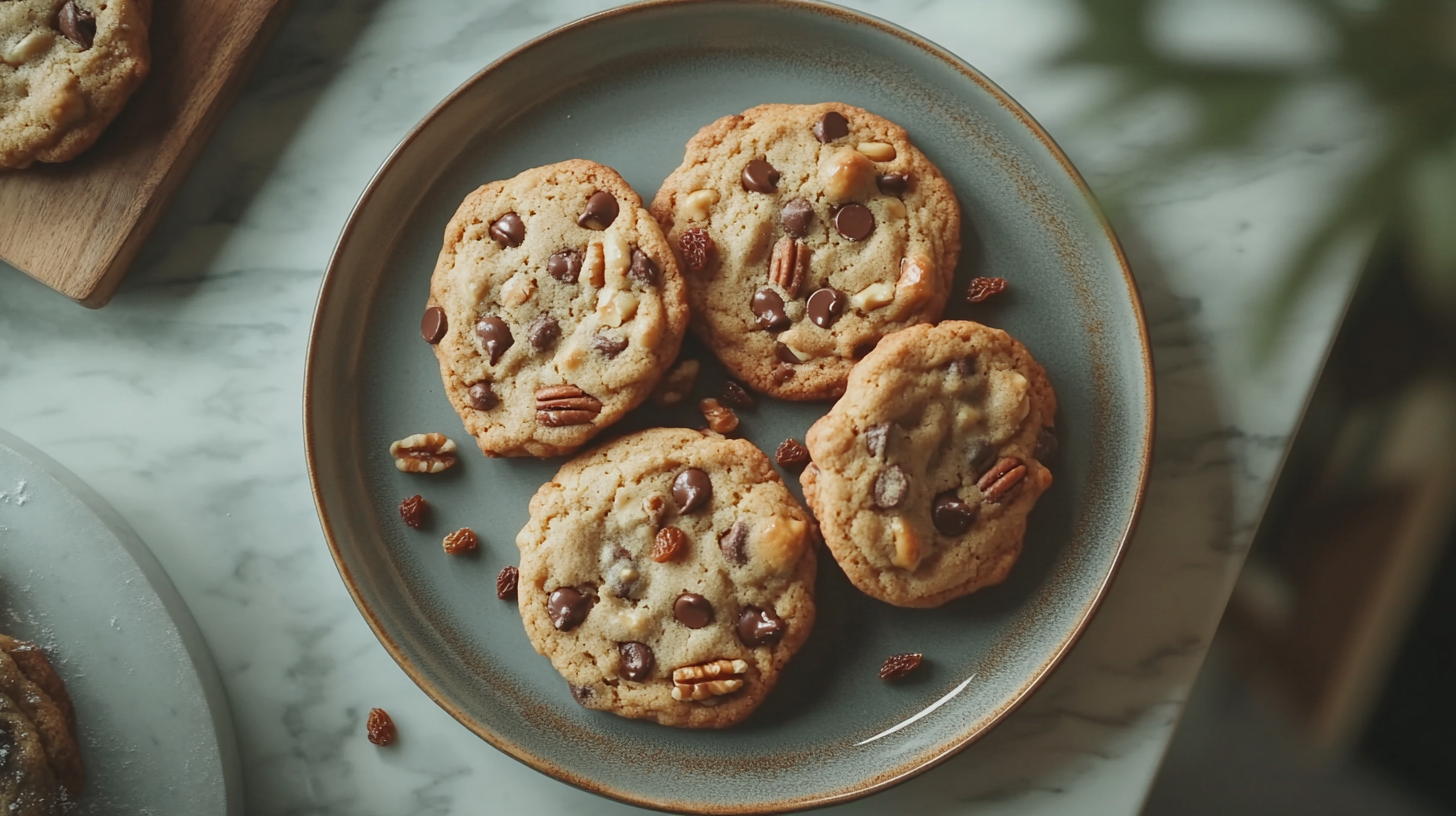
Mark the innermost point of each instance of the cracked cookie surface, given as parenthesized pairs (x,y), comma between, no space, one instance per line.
(67,67)
(555,306)
(807,233)
(924,472)
(688,628)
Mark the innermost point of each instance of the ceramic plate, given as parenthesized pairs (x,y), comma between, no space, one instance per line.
(155,733)
(628,88)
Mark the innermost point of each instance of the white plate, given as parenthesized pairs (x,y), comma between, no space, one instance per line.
(156,737)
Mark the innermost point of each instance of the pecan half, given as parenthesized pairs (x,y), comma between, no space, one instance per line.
(423,453)
(701,682)
(789,265)
(1003,476)
(558,405)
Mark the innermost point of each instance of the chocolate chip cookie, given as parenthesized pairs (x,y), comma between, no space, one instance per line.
(555,306)
(924,472)
(668,576)
(66,69)
(27,679)
(807,233)
(27,784)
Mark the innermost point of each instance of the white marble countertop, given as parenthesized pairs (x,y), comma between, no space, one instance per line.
(180,404)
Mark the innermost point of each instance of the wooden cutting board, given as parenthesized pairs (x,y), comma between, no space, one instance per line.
(76,226)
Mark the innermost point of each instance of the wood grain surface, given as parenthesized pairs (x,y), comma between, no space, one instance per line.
(76,226)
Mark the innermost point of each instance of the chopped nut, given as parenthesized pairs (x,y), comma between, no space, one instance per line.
(68,106)
(897,666)
(791,454)
(790,351)
(982,288)
(616,257)
(913,287)
(594,264)
(558,405)
(518,289)
(708,671)
(877,151)
(669,542)
(656,509)
(907,545)
(648,332)
(32,45)
(569,357)
(736,395)
(423,453)
(380,727)
(894,209)
(507,583)
(781,543)
(848,175)
(873,297)
(697,247)
(461,541)
(720,417)
(789,265)
(1003,476)
(676,384)
(412,510)
(705,691)
(615,307)
(696,204)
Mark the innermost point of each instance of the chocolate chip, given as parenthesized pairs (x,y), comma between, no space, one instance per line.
(760,627)
(643,269)
(78,24)
(980,454)
(1046,445)
(831,126)
(796,216)
(951,515)
(580,693)
(964,367)
(482,398)
(825,306)
(543,332)
(854,221)
(637,660)
(893,183)
(768,310)
(734,543)
(567,608)
(564,266)
(891,487)
(609,346)
(875,437)
(434,325)
(862,350)
(496,335)
(786,355)
(736,395)
(509,229)
(692,489)
(620,572)
(693,611)
(782,374)
(601,210)
(760,177)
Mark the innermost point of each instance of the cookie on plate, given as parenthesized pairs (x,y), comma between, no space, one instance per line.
(554,308)
(807,233)
(27,784)
(669,576)
(67,68)
(924,472)
(54,722)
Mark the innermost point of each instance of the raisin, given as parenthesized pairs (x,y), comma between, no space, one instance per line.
(412,510)
(736,395)
(897,666)
(460,541)
(380,727)
(507,583)
(791,454)
(982,288)
(669,542)
(696,246)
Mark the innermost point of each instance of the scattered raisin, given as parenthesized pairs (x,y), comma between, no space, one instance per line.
(412,510)
(696,246)
(669,542)
(897,666)
(791,454)
(507,582)
(736,395)
(380,727)
(720,417)
(460,541)
(982,288)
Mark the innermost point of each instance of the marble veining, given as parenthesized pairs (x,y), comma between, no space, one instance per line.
(180,404)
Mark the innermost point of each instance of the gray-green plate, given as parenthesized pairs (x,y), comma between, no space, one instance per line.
(628,88)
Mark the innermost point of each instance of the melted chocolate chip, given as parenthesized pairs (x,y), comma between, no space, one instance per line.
(509,229)
(796,217)
(601,210)
(825,306)
(862,350)
(760,627)
(831,126)
(434,325)
(643,269)
(786,355)
(1046,445)
(964,367)
(637,660)
(782,374)
(567,608)
(734,543)
(580,693)
(482,398)
(692,489)
(760,177)
(854,221)
(609,346)
(893,183)
(496,336)
(78,24)
(543,332)
(564,266)
(875,438)
(952,516)
(891,487)
(768,311)
(693,611)
(980,454)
